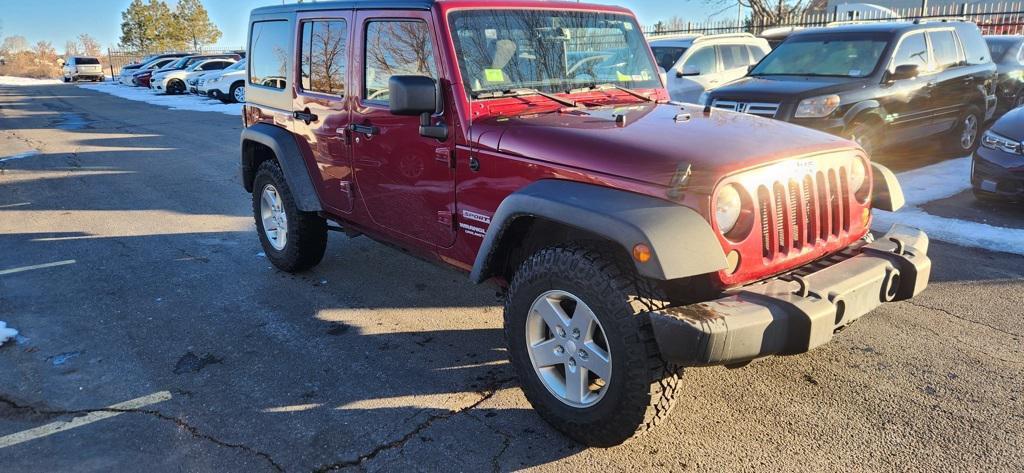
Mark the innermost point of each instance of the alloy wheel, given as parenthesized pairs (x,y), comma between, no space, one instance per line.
(239,94)
(970,131)
(274,218)
(568,349)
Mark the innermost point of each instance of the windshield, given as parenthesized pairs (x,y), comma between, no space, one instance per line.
(667,56)
(818,56)
(998,48)
(550,51)
(236,66)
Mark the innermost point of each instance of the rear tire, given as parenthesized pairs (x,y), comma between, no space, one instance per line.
(967,132)
(296,240)
(641,388)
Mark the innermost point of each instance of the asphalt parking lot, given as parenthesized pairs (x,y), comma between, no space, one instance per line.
(151,321)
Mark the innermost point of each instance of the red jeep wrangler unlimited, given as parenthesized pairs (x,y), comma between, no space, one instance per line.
(533,145)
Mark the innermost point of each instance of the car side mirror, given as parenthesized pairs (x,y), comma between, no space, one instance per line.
(688,70)
(904,71)
(418,95)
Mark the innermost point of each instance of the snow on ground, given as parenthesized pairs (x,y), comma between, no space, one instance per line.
(174,102)
(6,333)
(940,181)
(11,80)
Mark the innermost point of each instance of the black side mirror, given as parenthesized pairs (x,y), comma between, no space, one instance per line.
(418,95)
(904,71)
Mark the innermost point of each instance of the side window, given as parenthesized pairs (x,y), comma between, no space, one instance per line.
(323,56)
(395,48)
(733,56)
(912,50)
(268,55)
(756,54)
(703,60)
(944,48)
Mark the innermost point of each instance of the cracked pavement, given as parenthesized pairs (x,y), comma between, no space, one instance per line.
(376,361)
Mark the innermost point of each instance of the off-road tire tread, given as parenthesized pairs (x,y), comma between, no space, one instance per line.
(307,231)
(642,408)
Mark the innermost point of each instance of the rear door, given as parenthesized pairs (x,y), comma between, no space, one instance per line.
(321,106)
(951,82)
(404,179)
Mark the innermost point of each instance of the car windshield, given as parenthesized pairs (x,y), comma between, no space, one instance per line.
(667,56)
(236,66)
(195,66)
(178,64)
(549,51)
(999,47)
(824,56)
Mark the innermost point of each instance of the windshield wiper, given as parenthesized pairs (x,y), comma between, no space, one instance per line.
(609,86)
(524,92)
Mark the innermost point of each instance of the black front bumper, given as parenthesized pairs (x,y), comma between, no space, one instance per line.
(997,173)
(794,313)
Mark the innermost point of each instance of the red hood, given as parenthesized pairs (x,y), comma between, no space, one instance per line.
(652,143)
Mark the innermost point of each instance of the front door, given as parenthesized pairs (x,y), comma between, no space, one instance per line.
(404,179)
(909,103)
(321,112)
(704,63)
(735,62)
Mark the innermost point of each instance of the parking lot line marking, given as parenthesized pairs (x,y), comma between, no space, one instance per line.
(38,266)
(27,154)
(55,427)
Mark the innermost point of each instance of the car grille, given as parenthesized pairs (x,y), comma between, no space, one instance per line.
(762,109)
(798,213)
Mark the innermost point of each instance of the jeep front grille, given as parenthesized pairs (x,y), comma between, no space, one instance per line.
(801,212)
(762,109)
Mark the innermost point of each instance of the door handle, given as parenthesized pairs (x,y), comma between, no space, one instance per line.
(306,116)
(368,130)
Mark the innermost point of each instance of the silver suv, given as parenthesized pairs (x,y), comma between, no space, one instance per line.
(698,63)
(82,67)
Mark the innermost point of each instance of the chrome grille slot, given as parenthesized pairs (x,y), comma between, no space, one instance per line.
(761,109)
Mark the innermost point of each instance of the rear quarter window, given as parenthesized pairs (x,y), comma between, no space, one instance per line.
(268,54)
(975,48)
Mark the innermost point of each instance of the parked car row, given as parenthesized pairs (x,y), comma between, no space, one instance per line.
(220,76)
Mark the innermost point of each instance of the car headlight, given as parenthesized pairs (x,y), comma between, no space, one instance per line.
(703,100)
(728,208)
(817,107)
(994,141)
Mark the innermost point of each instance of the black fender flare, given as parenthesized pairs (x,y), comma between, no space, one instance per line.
(862,110)
(282,144)
(887,193)
(682,242)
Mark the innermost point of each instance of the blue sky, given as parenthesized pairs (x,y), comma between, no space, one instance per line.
(60,20)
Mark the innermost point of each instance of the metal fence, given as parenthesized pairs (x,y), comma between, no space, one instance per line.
(992,18)
(118,58)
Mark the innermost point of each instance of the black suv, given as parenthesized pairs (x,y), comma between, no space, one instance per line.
(875,83)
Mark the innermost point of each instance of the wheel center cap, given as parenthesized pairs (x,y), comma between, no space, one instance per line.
(570,347)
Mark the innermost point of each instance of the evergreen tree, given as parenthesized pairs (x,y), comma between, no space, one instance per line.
(194,25)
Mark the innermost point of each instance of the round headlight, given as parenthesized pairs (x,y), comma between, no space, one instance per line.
(728,207)
(858,175)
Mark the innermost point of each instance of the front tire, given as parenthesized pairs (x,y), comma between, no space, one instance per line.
(292,240)
(582,346)
(237,93)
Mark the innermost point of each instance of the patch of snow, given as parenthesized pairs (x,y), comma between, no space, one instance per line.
(941,181)
(27,154)
(189,102)
(6,333)
(12,80)
(935,182)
